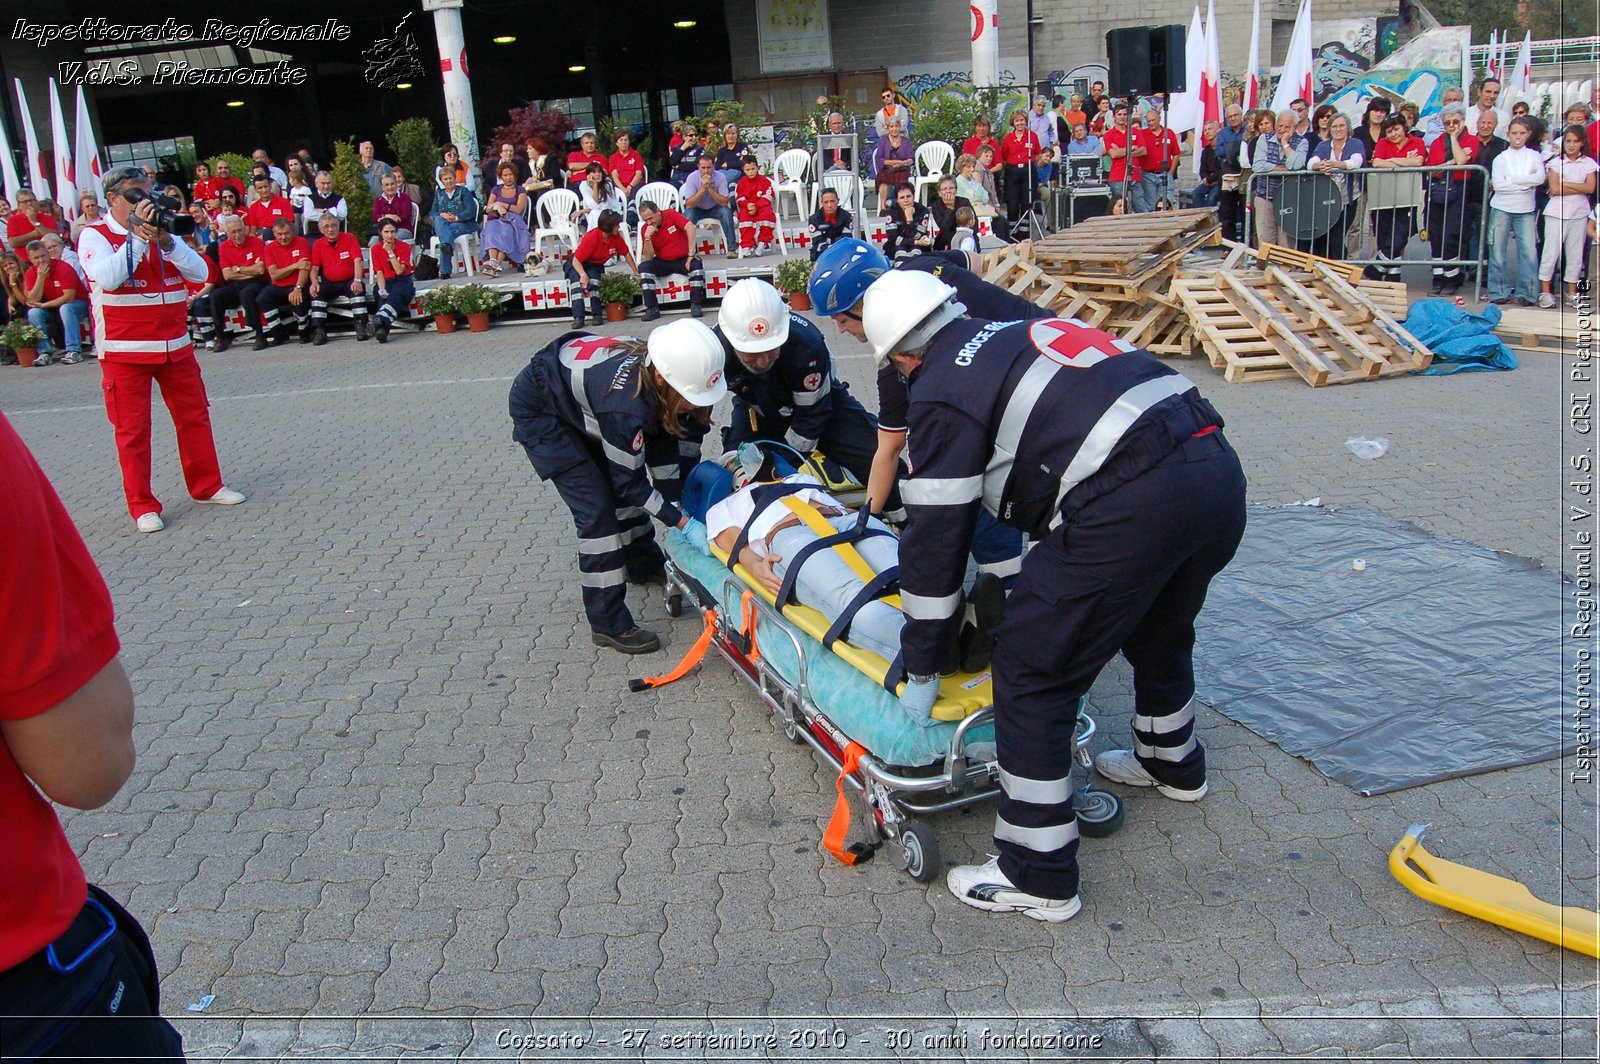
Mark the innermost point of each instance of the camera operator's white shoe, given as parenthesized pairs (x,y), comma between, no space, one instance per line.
(225,497)
(986,887)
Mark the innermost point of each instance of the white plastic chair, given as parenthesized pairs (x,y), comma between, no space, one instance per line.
(554,211)
(466,251)
(848,186)
(665,196)
(719,236)
(933,163)
(789,179)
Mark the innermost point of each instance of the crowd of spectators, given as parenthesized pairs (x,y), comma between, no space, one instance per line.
(1479,180)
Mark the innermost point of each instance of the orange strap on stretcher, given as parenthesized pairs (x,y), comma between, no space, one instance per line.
(747,603)
(690,660)
(839,823)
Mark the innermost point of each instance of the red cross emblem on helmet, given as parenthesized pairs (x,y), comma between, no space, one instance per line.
(759,327)
(812,382)
(638,440)
(711,381)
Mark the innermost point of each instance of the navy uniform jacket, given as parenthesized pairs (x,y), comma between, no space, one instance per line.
(1031,420)
(799,386)
(982,300)
(593,391)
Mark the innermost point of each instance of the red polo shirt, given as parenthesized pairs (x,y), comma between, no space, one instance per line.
(670,238)
(1019,151)
(277,257)
(50,588)
(1118,138)
(336,260)
(972,145)
(60,278)
(17,224)
(1160,149)
(380,260)
(262,213)
(579,161)
(249,253)
(596,249)
(624,168)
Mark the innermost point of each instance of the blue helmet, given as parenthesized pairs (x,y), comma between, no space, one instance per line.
(842,275)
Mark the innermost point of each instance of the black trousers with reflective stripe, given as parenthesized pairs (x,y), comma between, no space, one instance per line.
(270,302)
(615,541)
(1129,573)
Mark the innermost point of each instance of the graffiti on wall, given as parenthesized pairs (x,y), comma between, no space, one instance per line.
(1418,73)
(914,84)
(1346,50)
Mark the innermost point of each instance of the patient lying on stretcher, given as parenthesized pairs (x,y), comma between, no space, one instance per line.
(773,535)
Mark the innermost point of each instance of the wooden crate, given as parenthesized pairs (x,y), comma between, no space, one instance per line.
(1267,325)
(1127,246)
(1548,332)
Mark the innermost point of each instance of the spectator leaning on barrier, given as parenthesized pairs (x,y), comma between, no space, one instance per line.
(1210,185)
(1282,150)
(1393,199)
(1433,129)
(1516,172)
(1333,157)
(1447,197)
(1231,193)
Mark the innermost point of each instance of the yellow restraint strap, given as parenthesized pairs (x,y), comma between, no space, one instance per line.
(809,516)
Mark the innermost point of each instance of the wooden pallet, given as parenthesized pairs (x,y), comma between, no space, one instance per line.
(1547,332)
(1276,254)
(1127,246)
(1014,270)
(1275,323)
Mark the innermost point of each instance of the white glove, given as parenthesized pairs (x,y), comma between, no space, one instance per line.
(921,692)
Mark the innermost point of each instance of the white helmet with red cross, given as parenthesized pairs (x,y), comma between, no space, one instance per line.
(754,317)
(903,309)
(689,357)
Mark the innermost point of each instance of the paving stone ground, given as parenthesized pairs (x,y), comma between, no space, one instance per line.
(388,792)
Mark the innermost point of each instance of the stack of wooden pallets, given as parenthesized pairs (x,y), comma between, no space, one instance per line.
(1276,323)
(1264,314)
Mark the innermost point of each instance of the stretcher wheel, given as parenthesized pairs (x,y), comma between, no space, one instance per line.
(794,731)
(919,848)
(674,603)
(1099,812)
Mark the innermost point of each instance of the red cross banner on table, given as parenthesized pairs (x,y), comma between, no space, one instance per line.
(878,234)
(705,247)
(717,285)
(801,239)
(532,298)
(985,227)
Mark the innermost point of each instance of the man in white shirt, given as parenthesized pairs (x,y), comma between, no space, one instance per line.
(1488,93)
(1042,123)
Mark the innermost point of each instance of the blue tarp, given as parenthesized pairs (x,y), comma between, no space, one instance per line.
(1459,339)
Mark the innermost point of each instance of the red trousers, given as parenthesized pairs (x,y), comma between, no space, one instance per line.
(756,226)
(127,388)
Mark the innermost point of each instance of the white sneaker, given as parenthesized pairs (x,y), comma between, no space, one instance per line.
(150,522)
(225,497)
(1547,301)
(986,887)
(1121,766)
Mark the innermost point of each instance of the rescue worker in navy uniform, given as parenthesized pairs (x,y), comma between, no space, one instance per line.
(1117,468)
(838,283)
(784,388)
(607,419)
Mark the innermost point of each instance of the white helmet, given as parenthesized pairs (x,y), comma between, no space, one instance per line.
(689,357)
(754,317)
(903,309)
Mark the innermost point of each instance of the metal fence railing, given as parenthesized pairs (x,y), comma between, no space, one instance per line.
(1368,216)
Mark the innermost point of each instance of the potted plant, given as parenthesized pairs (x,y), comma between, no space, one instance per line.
(791,278)
(477,303)
(24,339)
(618,289)
(441,303)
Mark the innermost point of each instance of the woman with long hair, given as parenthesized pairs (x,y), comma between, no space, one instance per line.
(1571,177)
(605,419)
(596,194)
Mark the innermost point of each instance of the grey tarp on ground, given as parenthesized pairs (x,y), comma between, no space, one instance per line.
(1441,659)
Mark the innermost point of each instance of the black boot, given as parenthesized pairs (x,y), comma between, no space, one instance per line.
(596,310)
(361,329)
(696,309)
(381,330)
(651,312)
(577,315)
(319,336)
(635,640)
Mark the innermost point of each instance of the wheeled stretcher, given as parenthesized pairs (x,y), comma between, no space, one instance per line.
(836,702)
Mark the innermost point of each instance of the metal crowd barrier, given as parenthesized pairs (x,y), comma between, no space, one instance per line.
(1390,205)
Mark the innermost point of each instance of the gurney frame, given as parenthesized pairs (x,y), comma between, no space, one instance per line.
(741,620)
